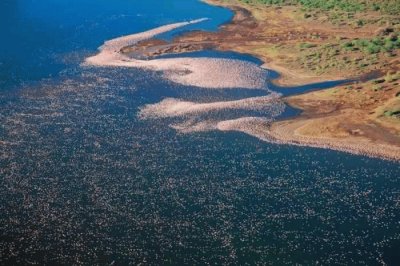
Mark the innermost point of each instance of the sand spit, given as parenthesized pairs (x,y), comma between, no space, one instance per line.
(171,107)
(224,73)
(254,126)
(192,126)
(200,72)
(286,133)
(249,125)
(191,113)
(110,51)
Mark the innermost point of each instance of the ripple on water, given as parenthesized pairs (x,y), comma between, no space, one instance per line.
(83,180)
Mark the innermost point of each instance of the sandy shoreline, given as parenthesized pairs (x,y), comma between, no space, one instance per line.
(225,73)
(177,108)
(300,131)
(284,132)
(287,132)
(220,73)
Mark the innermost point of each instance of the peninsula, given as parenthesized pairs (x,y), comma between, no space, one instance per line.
(314,41)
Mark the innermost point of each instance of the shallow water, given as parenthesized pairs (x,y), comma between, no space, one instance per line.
(84,180)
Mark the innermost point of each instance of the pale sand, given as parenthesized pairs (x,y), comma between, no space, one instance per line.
(248,125)
(286,133)
(254,126)
(191,112)
(199,72)
(224,73)
(171,107)
(110,54)
(192,126)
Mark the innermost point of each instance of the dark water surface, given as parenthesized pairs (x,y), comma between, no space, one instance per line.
(84,181)
(42,37)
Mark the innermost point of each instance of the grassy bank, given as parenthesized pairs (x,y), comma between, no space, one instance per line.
(384,6)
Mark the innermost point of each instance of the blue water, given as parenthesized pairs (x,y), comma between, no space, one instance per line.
(41,38)
(84,181)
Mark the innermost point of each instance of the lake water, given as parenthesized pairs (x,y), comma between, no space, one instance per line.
(83,180)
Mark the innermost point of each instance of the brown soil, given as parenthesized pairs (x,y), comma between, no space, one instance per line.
(356,118)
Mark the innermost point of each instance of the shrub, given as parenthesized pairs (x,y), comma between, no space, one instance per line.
(306,45)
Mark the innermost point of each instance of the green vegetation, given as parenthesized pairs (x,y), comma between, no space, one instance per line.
(343,12)
(377,87)
(322,58)
(384,6)
(375,45)
(358,55)
(392,77)
(307,45)
(392,113)
(345,5)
